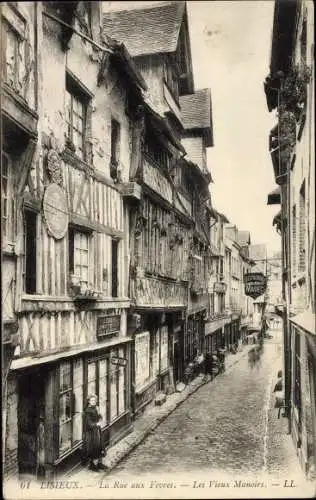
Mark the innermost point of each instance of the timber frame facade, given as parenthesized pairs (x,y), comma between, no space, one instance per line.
(110,255)
(65,238)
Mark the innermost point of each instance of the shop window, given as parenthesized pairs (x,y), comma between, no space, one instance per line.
(7,199)
(70,404)
(79,255)
(302,215)
(103,388)
(114,273)
(142,360)
(117,386)
(76,117)
(164,358)
(97,383)
(30,245)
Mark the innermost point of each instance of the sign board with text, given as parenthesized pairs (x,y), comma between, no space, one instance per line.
(255,284)
(115,360)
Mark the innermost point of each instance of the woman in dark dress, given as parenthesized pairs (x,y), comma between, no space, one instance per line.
(93,436)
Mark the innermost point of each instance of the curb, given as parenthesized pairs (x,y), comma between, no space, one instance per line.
(159,419)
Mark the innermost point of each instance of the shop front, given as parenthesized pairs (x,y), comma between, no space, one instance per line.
(194,336)
(157,344)
(50,417)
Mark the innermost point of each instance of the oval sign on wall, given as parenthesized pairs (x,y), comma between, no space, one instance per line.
(56,211)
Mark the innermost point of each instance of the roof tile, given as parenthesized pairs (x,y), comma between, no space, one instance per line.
(149,30)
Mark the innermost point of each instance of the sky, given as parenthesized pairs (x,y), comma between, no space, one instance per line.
(231,46)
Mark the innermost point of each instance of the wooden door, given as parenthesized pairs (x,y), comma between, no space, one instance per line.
(30,423)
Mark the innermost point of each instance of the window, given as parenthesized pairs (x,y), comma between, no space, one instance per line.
(297,373)
(97,383)
(117,386)
(221,302)
(13,47)
(76,117)
(294,240)
(115,141)
(114,268)
(70,404)
(302,229)
(156,152)
(212,304)
(79,255)
(29,267)
(7,199)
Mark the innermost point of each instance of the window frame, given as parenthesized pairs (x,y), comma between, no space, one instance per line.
(115,267)
(8,197)
(115,141)
(77,92)
(33,257)
(74,231)
(12,20)
(71,391)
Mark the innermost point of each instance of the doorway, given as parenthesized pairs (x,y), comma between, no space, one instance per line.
(31,423)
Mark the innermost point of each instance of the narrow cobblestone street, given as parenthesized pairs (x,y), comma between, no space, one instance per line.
(228,426)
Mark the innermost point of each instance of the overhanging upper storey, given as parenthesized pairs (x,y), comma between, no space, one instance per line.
(283,37)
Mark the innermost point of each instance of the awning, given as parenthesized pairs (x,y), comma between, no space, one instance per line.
(306,321)
(274,197)
(40,359)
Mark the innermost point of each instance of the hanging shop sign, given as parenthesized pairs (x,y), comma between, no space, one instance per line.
(255,284)
(220,287)
(55,209)
(115,360)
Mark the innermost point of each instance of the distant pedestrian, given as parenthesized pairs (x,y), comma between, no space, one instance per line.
(93,436)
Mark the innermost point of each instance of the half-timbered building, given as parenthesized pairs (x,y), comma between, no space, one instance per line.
(193,185)
(162,226)
(66,236)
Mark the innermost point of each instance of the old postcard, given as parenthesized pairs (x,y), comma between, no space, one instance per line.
(158,249)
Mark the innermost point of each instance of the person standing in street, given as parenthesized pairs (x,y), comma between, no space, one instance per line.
(93,435)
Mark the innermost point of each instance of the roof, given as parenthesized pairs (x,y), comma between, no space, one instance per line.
(150,30)
(121,55)
(243,238)
(196,112)
(274,197)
